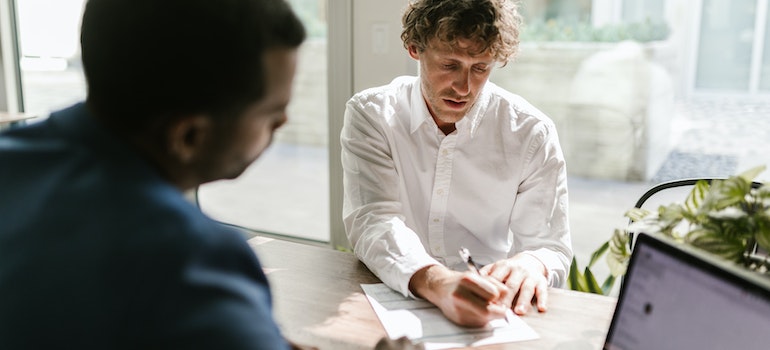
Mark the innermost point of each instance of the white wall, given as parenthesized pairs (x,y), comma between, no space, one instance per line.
(378,55)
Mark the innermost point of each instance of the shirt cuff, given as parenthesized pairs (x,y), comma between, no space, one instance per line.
(550,262)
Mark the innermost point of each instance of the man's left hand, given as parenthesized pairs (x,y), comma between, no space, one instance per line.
(525,275)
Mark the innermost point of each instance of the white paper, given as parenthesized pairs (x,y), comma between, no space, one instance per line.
(423,322)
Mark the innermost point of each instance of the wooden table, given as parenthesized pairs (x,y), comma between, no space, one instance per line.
(318,301)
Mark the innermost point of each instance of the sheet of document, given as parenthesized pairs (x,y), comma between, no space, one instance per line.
(423,322)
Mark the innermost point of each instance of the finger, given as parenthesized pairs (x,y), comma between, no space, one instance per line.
(524,298)
(485,270)
(515,278)
(405,343)
(541,293)
(472,295)
(384,344)
(471,311)
(499,271)
(479,307)
(484,288)
(507,298)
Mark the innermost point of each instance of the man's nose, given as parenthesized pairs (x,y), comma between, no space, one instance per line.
(462,82)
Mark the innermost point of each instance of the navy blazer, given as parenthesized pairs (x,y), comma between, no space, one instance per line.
(97,251)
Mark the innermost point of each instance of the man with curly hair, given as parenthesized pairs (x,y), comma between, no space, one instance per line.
(448,160)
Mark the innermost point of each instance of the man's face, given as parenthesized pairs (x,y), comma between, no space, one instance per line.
(451,77)
(244,140)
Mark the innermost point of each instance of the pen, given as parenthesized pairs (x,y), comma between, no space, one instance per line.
(466,256)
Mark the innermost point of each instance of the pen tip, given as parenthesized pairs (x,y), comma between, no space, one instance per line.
(464,254)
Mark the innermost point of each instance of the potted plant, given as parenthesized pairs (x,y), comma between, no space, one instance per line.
(729,218)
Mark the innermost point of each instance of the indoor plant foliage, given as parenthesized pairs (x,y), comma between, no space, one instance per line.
(728,218)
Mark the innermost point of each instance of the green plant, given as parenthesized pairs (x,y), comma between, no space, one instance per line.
(728,218)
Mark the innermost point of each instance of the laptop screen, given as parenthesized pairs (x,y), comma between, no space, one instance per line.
(676,298)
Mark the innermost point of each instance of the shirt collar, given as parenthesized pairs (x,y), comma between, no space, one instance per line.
(419,109)
(420,113)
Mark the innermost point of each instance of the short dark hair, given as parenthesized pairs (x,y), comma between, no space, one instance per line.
(145,59)
(493,23)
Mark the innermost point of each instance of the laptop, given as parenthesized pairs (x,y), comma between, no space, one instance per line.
(676,297)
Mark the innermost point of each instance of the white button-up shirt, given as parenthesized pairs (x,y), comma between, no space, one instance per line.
(413,196)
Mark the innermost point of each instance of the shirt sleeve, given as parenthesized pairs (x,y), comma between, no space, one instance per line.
(539,221)
(372,213)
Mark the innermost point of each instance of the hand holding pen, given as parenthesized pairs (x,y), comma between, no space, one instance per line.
(523,274)
(469,299)
(474,268)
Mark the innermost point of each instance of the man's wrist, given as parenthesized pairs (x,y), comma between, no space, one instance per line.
(422,283)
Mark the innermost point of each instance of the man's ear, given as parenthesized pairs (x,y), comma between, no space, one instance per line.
(186,137)
(414,51)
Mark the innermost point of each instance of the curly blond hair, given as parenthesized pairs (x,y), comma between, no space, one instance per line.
(492,23)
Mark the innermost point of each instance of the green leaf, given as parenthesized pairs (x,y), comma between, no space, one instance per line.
(636,214)
(725,247)
(593,286)
(576,280)
(619,253)
(762,236)
(751,174)
(608,284)
(696,195)
(729,192)
(598,253)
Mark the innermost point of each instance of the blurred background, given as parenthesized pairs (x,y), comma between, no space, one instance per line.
(641,92)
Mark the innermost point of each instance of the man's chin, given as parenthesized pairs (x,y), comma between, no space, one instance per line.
(451,116)
(229,174)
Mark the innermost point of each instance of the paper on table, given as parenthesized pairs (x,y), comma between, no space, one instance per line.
(421,321)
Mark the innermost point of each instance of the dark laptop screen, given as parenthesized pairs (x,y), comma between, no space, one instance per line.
(677,298)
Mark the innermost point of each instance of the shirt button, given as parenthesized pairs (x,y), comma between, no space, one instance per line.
(435,219)
(440,191)
(444,152)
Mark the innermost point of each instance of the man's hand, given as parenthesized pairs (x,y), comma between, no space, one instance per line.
(402,343)
(525,276)
(467,299)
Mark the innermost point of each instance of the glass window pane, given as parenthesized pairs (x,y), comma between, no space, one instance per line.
(49,37)
(643,10)
(726,40)
(764,79)
(286,191)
